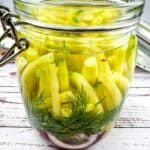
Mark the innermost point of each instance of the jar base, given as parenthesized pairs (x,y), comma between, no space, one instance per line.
(66,145)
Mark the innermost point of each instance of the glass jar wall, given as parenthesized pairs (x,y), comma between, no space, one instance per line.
(74,77)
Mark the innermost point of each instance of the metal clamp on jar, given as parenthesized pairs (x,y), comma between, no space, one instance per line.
(9,29)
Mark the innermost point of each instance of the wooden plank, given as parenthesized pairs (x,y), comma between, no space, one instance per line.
(8,81)
(125,139)
(133,91)
(8,77)
(132,129)
(7,70)
(120,139)
(141,81)
(138,81)
(9,89)
(135,113)
(9,97)
(10,68)
(25,139)
(12,94)
(13,115)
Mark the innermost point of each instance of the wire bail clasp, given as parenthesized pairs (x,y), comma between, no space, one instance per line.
(8,26)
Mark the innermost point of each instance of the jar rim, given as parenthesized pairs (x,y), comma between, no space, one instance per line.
(118,28)
(112,3)
(131,12)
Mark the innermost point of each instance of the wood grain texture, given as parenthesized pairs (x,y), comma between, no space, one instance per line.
(135,113)
(131,132)
(118,139)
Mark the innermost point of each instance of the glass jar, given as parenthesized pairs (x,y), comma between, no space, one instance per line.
(76,72)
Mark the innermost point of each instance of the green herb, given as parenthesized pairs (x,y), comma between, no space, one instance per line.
(76,15)
(79,121)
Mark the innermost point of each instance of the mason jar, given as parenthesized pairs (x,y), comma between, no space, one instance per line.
(75,74)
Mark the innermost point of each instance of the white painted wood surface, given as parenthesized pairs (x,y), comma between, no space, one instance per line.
(131,132)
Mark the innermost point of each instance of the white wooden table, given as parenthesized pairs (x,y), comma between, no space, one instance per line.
(131,132)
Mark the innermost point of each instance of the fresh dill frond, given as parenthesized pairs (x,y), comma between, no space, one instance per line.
(80,121)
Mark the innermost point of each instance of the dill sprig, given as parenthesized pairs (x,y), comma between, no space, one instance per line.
(79,121)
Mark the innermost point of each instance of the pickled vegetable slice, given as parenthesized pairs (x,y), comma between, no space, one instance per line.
(131,55)
(31,54)
(63,75)
(90,70)
(30,75)
(54,89)
(21,63)
(120,59)
(122,83)
(80,83)
(103,66)
(76,16)
(108,85)
(115,95)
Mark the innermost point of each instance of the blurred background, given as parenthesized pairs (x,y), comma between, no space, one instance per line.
(145,17)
